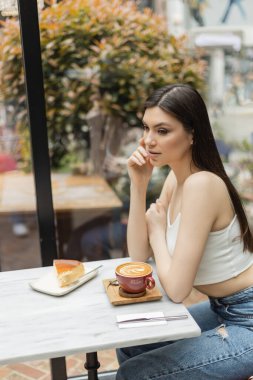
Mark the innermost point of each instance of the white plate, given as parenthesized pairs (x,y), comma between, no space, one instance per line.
(49,284)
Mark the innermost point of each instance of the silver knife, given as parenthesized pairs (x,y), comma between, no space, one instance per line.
(147,319)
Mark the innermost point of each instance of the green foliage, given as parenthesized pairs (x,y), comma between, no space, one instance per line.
(245,146)
(94,49)
(247,161)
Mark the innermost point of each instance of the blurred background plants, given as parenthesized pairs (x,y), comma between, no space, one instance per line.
(93,49)
(246,160)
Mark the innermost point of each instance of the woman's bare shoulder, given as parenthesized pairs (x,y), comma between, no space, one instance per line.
(210,188)
(207,195)
(204,179)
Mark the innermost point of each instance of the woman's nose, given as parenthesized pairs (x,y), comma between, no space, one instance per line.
(149,139)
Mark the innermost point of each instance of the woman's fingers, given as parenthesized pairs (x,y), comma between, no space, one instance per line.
(136,159)
(141,142)
(153,208)
(157,206)
(139,156)
(160,206)
(142,151)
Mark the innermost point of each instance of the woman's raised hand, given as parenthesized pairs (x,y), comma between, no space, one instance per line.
(139,166)
(156,218)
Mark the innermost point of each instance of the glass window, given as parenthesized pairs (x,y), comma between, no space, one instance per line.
(19,241)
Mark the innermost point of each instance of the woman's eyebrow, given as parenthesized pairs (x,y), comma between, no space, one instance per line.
(157,125)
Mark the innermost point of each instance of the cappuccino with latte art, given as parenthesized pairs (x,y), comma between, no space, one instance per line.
(135,277)
(131,269)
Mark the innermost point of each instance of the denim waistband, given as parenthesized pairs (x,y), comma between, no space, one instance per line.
(240,296)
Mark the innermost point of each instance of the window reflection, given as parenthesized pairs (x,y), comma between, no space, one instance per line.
(19,246)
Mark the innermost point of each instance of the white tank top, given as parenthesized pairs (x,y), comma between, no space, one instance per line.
(223,257)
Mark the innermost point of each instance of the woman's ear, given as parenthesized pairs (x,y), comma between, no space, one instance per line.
(192,136)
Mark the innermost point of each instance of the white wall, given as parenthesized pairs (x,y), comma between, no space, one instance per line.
(237,124)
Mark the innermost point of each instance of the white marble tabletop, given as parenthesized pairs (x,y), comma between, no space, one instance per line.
(35,326)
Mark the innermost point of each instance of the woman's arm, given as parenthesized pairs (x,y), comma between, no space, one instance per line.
(140,171)
(198,213)
(137,232)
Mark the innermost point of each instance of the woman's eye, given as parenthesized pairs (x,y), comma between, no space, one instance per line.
(145,127)
(162,131)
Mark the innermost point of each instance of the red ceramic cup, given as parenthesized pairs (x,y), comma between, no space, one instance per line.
(135,277)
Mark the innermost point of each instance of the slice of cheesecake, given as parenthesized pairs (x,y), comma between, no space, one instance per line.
(68,271)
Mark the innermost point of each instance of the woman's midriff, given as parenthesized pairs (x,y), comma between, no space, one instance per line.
(233,285)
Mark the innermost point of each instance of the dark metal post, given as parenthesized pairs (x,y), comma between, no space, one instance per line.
(58,368)
(92,364)
(30,38)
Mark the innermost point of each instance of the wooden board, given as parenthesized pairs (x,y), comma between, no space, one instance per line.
(115,299)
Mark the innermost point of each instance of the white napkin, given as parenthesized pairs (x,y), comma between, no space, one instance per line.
(140,315)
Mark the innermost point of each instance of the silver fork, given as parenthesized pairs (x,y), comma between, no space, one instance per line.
(147,319)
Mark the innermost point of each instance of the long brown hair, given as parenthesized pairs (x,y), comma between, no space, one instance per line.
(186,104)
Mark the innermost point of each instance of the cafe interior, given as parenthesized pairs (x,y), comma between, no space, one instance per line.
(73,77)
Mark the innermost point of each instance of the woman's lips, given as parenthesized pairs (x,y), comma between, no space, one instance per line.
(153,154)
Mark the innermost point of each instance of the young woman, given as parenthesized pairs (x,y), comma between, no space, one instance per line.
(199,236)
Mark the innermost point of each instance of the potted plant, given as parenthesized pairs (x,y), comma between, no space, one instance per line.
(101,59)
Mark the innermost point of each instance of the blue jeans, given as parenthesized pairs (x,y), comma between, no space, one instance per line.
(224,350)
